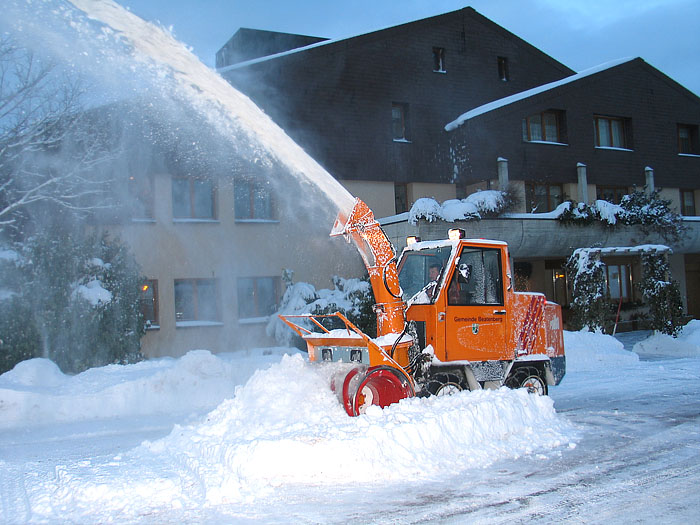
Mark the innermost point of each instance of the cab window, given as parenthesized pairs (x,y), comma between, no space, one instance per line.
(477,278)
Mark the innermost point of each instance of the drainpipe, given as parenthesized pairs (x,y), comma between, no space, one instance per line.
(649,177)
(502,174)
(582,183)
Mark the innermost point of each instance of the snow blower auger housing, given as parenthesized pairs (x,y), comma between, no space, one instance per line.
(448,320)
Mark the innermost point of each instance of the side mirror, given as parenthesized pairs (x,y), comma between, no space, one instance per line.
(510,281)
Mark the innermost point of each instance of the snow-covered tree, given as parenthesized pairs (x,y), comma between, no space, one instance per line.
(661,293)
(590,306)
(72,299)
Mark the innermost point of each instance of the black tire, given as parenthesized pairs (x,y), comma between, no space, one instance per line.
(528,377)
(445,384)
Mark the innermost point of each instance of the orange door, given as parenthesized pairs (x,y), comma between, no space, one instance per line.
(475,317)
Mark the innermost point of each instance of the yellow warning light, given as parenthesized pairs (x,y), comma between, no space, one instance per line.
(456,234)
(412,239)
(145,288)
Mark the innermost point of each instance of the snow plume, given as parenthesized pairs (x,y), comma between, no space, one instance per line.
(475,206)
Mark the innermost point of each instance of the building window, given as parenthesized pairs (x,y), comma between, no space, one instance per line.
(141,196)
(688,203)
(439,60)
(612,194)
(148,301)
(541,198)
(196,300)
(257,296)
(400,197)
(688,139)
(543,127)
(610,132)
(253,200)
(617,278)
(503,69)
(399,122)
(193,198)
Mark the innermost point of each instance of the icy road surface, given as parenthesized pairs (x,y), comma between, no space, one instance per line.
(622,447)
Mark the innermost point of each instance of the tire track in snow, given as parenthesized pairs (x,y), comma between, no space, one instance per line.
(15,501)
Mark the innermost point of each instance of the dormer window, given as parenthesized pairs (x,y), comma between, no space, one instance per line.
(439,60)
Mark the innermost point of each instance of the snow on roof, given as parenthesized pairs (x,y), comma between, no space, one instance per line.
(531,92)
(627,250)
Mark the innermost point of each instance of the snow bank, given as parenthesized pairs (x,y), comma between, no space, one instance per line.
(285,428)
(591,351)
(687,344)
(36,392)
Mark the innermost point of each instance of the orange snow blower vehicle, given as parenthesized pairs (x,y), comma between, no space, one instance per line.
(448,320)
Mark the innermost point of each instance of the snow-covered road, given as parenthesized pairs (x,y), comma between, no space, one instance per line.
(623,445)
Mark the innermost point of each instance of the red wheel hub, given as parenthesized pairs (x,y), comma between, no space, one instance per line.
(381,386)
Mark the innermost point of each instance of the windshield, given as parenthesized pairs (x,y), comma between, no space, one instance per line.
(417,269)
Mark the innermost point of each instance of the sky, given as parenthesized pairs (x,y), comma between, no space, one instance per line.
(578,33)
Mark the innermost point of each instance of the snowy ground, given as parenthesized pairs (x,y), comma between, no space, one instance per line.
(173,440)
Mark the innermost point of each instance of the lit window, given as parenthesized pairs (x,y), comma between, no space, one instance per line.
(399,114)
(257,296)
(148,301)
(193,198)
(141,196)
(542,198)
(439,60)
(688,139)
(618,277)
(687,203)
(543,127)
(610,132)
(612,194)
(503,69)
(253,200)
(196,300)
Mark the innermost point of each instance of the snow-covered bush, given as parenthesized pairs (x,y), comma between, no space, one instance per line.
(589,307)
(488,203)
(351,297)
(661,294)
(74,300)
(647,210)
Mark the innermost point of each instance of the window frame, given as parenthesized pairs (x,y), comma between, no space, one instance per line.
(152,284)
(527,130)
(503,70)
(610,120)
(254,186)
(530,192)
(692,147)
(439,60)
(142,205)
(625,284)
(614,189)
(685,209)
(196,299)
(258,314)
(192,199)
(402,107)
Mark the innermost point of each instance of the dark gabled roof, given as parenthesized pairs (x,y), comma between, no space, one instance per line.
(512,99)
(401,28)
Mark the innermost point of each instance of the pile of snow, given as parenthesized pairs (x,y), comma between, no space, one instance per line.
(36,392)
(285,427)
(475,206)
(590,351)
(687,344)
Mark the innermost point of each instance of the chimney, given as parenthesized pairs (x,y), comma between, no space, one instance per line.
(649,178)
(502,174)
(582,183)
